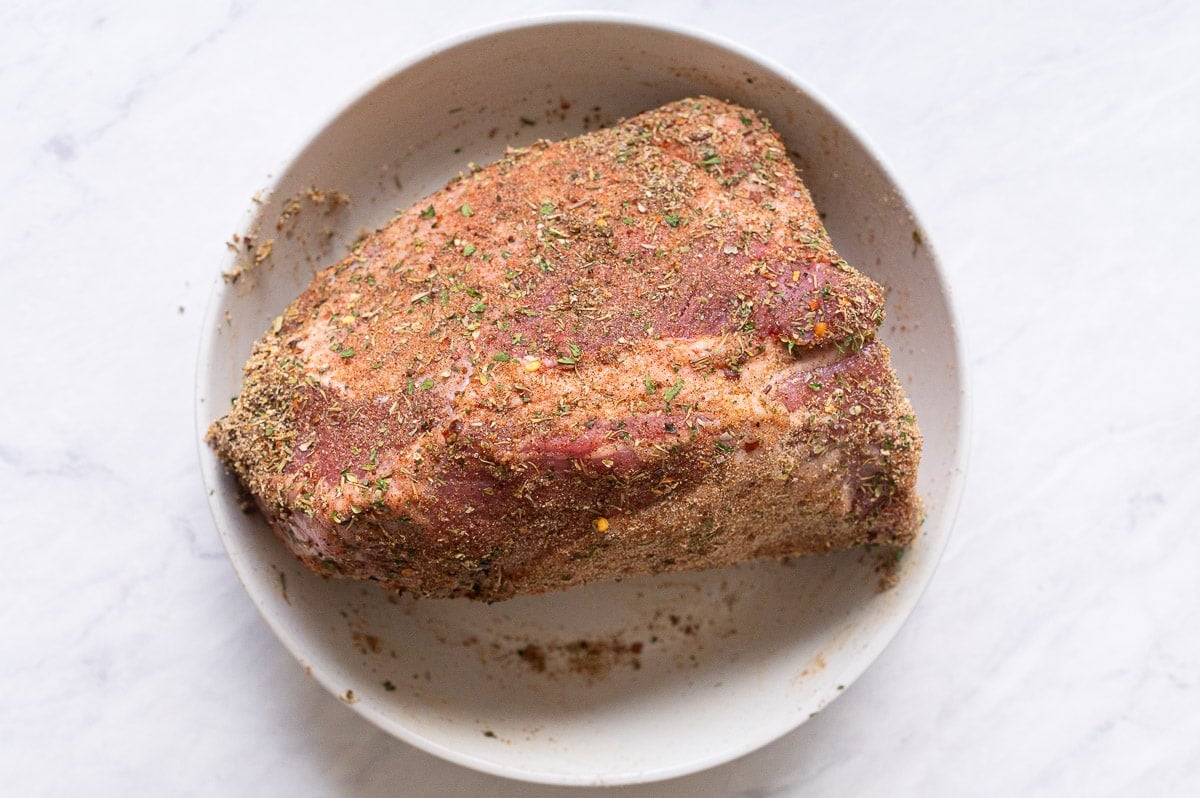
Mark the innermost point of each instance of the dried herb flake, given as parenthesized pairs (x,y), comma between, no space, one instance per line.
(673,391)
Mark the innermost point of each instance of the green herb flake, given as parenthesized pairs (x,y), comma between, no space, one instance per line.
(673,391)
(502,357)
(428,213)
(527,121)
(427,384)
(469,250)
(722,446)
(671,219)
(576,353)
(651,385)
(816,386)
(347,352)
(479,307)
(466,210)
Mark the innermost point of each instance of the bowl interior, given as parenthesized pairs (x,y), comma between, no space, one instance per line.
(610,683)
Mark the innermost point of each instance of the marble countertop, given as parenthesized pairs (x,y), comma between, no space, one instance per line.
(1054,154)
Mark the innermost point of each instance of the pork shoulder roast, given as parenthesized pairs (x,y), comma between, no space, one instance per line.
(630,352)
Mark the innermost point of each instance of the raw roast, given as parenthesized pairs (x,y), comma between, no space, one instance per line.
(630,352)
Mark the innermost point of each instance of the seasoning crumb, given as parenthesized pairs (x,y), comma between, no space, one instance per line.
(533,655)
(887,565)
(591,658)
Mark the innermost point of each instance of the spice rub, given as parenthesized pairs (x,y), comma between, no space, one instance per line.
(629,352)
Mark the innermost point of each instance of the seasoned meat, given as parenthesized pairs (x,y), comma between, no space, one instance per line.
(630,352)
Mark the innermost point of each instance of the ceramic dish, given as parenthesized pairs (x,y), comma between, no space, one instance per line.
(610,683)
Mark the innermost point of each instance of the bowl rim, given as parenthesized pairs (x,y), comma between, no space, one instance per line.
(896,619)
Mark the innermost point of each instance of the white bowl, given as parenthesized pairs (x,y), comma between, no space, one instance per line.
(729,660)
